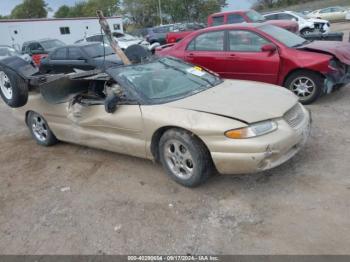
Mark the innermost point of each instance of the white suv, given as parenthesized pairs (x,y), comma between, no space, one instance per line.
(306,25)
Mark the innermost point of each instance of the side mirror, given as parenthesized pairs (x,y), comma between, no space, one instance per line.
(111,103)
(270,48)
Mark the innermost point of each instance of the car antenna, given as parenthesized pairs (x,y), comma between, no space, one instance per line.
(107,30)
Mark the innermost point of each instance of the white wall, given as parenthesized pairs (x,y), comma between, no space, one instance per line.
(18,31)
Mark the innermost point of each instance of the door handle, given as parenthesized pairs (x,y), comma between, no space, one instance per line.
(190,56)
(232,56)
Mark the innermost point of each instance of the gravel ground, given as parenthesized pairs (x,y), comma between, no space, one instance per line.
(69,199)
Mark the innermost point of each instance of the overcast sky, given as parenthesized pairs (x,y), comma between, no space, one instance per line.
(7,6)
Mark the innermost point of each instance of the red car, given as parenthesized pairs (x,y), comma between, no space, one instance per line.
(249,16)
(267,53)
(235,17)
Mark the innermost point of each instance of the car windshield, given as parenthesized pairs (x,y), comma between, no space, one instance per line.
(165,79)
(49,44)
(285,37)
(255,16)
(98,50)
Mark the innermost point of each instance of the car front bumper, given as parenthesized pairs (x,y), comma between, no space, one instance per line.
(261,153)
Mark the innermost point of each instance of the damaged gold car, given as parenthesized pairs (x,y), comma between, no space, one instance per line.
(183,116)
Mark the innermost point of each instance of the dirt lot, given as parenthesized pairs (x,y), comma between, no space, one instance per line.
(69,199)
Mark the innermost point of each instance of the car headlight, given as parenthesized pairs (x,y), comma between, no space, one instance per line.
(253,130)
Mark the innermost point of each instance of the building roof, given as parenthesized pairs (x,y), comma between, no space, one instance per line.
(52,19)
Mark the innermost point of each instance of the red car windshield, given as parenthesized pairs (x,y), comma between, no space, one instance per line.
(285,37)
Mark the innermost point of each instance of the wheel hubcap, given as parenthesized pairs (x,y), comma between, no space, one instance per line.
(179,159)
(303,87)
(5,85)
(39,128)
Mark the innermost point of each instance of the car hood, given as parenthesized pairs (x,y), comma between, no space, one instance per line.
(316,20)
(340,50)
(246,101)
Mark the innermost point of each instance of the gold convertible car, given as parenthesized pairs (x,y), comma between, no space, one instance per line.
(183,116)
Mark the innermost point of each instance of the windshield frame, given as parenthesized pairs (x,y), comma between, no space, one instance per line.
(251,11)
(132,89)
(301,43)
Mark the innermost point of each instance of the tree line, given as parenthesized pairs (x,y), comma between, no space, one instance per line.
(138,12)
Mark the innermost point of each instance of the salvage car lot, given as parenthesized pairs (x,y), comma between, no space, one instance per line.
(71,199)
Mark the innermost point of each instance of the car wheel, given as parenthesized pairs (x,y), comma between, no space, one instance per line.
(306,31)
(40,130)
(306,85)
(13,88)
(185,158)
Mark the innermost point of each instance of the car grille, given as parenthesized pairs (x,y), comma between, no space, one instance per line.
(294,116)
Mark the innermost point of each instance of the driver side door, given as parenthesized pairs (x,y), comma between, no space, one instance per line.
(121,131)
(246,60)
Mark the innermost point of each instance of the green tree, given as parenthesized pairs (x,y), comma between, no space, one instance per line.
(108,7)
(30,9)
(62,12)
(88,8)
(146,12)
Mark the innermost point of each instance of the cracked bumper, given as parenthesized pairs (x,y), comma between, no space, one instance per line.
(265,152)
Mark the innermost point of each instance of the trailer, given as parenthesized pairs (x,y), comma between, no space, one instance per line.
(14,32)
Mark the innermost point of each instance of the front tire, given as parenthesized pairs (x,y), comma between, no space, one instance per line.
(40,130)
(306,31)
(13,88)
(185,158)
(306,85)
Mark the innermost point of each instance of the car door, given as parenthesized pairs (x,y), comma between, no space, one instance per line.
(121,131)
(325,13)
(207,50)
(246,60)
(56,62)
(338,13)
(77,60)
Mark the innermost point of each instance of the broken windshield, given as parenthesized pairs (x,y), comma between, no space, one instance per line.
(165,79)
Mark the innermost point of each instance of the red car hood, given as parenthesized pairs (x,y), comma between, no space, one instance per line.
(340,50)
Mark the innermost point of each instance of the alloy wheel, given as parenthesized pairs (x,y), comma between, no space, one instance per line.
(39,128)
(303,87)
(179,159)
(5,85)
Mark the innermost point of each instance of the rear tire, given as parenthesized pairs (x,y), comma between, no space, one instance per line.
(40,130)
(307,85)
(13,88)
(185,158)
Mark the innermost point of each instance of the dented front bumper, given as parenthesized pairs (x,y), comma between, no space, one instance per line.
(337,78)
(264,152)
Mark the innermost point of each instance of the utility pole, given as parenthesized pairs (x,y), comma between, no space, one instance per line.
(160,12)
